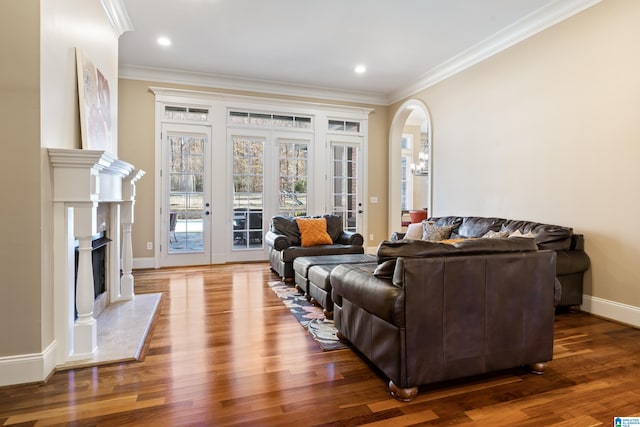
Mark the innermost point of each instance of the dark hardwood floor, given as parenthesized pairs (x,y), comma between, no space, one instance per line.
(225,351)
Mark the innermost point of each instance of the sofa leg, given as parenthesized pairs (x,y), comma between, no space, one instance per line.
(537,368)
(402,394)
(328,314)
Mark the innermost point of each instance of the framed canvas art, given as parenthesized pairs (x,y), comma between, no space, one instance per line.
(95,105)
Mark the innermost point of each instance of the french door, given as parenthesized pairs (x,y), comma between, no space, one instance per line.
(269,177)
(346,181)
(186,195)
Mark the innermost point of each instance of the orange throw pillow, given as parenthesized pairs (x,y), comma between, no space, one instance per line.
(313,231)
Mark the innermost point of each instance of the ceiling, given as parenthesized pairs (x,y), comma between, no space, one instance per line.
(312,47)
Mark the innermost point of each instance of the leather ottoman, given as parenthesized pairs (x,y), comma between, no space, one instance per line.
(301,266)
(320,285)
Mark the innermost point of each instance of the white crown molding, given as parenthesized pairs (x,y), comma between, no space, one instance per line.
(539,20)
(247,85)
(167,94)
(118,16)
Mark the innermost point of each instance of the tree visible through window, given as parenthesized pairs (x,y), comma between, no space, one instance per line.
(293,177)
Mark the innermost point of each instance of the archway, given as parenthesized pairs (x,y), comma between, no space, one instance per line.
(412,107)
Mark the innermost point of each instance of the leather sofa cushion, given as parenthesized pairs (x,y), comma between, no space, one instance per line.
(334,226)
(286,226)
(474,226)
(481,246)
(547,236)
(293,252)
(381,297)
(389,250)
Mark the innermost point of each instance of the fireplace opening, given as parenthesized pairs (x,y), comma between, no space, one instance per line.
(99,246)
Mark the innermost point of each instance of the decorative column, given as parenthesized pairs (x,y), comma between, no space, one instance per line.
(85,340)
(127,219)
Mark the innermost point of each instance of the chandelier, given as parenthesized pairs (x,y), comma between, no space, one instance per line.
(422,168)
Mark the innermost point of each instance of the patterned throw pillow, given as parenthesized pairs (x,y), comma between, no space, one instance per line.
(313,231)
(414,232)
(518,233)
(435,233)
(495,234)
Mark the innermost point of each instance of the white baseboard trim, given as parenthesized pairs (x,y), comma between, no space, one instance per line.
(27,368)
(623,313)
(143,263)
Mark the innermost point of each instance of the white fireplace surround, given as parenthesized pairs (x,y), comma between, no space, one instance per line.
(81,180)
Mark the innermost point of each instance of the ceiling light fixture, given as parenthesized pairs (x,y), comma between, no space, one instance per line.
(164,41)
(360,69)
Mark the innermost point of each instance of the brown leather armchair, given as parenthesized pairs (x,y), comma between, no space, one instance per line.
(283,242)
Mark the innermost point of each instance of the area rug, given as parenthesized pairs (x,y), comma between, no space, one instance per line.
(310,316)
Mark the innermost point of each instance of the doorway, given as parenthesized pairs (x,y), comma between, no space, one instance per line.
(186,195)
(413,112)
(346,182)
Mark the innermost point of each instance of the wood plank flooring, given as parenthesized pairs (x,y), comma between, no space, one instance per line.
(225,351)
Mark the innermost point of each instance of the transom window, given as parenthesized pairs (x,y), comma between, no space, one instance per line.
(270,120)
(344,126)
(172,112)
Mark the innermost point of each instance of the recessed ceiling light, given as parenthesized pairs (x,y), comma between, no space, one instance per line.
(360,69)
(164,41)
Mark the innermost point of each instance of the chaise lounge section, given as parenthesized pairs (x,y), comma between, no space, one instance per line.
(429,312)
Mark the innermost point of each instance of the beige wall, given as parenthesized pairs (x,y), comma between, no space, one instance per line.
(137,146)
(549,131)
(20,295)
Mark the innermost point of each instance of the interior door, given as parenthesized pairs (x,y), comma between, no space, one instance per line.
(346,182)
(186,195)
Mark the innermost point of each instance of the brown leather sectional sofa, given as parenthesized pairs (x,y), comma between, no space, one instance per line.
(571,260)
(428,312)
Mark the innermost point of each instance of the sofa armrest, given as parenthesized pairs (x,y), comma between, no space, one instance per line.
(350,238)
(277,241)
(577,242)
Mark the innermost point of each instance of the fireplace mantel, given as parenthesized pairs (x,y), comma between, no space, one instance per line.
(81,180)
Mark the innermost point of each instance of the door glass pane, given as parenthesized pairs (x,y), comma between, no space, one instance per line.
(186,168)
(345,184)
(293,178)
(248,194)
